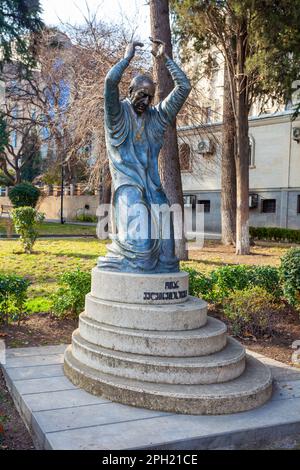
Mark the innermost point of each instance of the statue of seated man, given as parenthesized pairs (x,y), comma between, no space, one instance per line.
(134,136)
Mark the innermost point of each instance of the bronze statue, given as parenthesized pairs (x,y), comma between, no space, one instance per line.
(134,136)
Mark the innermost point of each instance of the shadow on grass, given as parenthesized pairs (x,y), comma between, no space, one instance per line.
(77,255)
(210,262)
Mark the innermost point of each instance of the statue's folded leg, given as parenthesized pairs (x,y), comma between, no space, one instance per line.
(168,262)
(132,248)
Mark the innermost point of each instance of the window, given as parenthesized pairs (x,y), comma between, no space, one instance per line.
(185,157)
(189,200)
(206,204)
(206,114)
(298,204)
(269,205)
(251,152)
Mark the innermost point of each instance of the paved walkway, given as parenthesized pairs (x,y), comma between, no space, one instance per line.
(61,416)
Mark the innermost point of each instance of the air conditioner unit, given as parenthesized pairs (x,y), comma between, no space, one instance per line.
(296,134)
(205,146)
(253,201)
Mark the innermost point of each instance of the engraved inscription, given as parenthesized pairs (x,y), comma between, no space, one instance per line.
(172,285)
(165,295)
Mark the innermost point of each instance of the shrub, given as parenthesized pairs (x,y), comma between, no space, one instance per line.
(199,284)
(266,277)
(4,180)
(69,299)
(226,279)
(86,218)
(24,194)
(275,234)
(13,295)
(251,311)
(290,276)
(25,220)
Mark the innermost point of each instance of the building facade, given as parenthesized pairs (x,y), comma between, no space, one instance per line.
(274,171)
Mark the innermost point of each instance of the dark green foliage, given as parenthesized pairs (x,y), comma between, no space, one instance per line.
(13,295)
(32,166)
(86,218)
(272,31)
(275,234)
(24,194)
(290,276)
(226,279)
(251,311)
(199,284)
(4,180)
(18,18)
(69,299)
(25,220)
(4,137)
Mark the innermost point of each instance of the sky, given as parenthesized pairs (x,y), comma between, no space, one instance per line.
(111,10)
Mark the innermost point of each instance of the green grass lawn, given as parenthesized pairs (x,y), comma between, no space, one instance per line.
(50,259)
(53,228)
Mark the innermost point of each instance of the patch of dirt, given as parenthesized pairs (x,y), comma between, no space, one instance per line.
(37,330)
(278,345)
(13,433)
(215,254)
(40,329)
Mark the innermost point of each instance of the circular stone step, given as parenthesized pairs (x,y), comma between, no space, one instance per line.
(252,389)
(163,289)
(199,342)
(219,367)
(185,316)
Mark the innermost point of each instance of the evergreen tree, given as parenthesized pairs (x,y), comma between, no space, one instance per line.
(260,43)
(18,18)
(31,168)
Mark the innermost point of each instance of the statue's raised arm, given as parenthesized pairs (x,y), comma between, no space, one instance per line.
(172,104)
(135,130)
(112,105)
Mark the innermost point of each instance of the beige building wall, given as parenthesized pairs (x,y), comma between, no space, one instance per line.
(73,206)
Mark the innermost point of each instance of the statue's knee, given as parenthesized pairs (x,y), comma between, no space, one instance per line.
(128,196)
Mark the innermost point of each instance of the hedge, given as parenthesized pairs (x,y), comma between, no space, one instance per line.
(275,234)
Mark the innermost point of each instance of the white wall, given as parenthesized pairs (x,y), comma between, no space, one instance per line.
(277,157)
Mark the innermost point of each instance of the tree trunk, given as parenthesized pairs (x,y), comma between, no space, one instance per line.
(228,176)
(17,172)
(105,184)
(169,157)
(242,154)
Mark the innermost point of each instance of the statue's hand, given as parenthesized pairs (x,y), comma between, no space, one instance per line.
(159,48)
(130,49)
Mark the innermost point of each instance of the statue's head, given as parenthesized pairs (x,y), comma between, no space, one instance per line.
(141,93)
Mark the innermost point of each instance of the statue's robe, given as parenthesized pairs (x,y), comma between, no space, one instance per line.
(133,144)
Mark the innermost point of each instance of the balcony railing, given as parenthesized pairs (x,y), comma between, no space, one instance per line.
(79,189)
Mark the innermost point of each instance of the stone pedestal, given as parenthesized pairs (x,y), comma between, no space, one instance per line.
(143,341)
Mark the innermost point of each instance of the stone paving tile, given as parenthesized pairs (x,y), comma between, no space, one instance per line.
(90,415)
(30,361)
(286,390)
(171,429)
(60,399)
(62,416)
(33,351)
(48,384)
(37,372)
